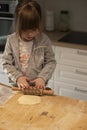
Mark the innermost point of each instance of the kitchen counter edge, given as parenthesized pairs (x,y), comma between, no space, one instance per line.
(56,35)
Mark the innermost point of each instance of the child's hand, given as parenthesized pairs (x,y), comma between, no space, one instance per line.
(39,83)
(22,82)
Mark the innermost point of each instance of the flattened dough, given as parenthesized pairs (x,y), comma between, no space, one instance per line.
(29,100)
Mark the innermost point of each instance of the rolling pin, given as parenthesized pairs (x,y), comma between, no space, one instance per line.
(39,92)
(31,90)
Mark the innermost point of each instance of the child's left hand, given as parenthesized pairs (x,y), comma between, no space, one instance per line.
(39,83)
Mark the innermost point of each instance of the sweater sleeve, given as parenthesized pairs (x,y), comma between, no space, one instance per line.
(8,62)
(49,62)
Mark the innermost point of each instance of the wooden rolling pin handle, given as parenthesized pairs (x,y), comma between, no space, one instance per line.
(11,87)
(16,88)
(48,92)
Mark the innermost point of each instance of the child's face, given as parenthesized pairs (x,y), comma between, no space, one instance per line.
(28,35)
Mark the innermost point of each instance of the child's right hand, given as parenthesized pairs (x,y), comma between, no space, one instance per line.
(22,82)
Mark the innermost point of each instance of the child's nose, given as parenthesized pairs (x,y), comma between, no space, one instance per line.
(30,34)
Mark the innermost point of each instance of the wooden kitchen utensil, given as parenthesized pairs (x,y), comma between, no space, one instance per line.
(32,90)
(35,91)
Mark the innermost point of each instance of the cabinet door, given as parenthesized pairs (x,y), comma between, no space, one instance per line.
(77,60)
(71,75)
(51,84)
(73,94)
(72,57)
(60,84)
(60,50)
(70,90)
(57,53)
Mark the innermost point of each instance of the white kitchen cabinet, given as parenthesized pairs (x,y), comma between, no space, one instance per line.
(72,57)
(73,94)
(70,75)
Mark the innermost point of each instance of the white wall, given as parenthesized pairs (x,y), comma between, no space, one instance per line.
(77,10)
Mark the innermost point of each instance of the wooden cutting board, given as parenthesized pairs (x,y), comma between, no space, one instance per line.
(53,113)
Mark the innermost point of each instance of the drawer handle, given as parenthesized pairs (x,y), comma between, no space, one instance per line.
(81,72)
(80,90)
(82,53)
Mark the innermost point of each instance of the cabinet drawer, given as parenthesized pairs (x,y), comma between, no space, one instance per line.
(59,84)
(71,75)
(72,57)
(71,50)
(60,50)
(74,76)
(73,94)
(65,49)
(50,84)
(73,60)
(73,81)
(62,85)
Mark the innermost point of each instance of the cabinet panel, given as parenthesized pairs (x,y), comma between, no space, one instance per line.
(56,88)
(59,84)
(60,50)
(51,84)
(65,49)
(72,57)
(71,75)
(73,60)
(73,63)
(57,55)
(73,94)
(71,81)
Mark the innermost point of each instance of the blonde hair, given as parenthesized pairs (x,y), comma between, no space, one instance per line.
(28,16)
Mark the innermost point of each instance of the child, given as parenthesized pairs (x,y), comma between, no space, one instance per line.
(28,56)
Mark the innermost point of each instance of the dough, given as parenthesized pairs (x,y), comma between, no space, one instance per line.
(29,99)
